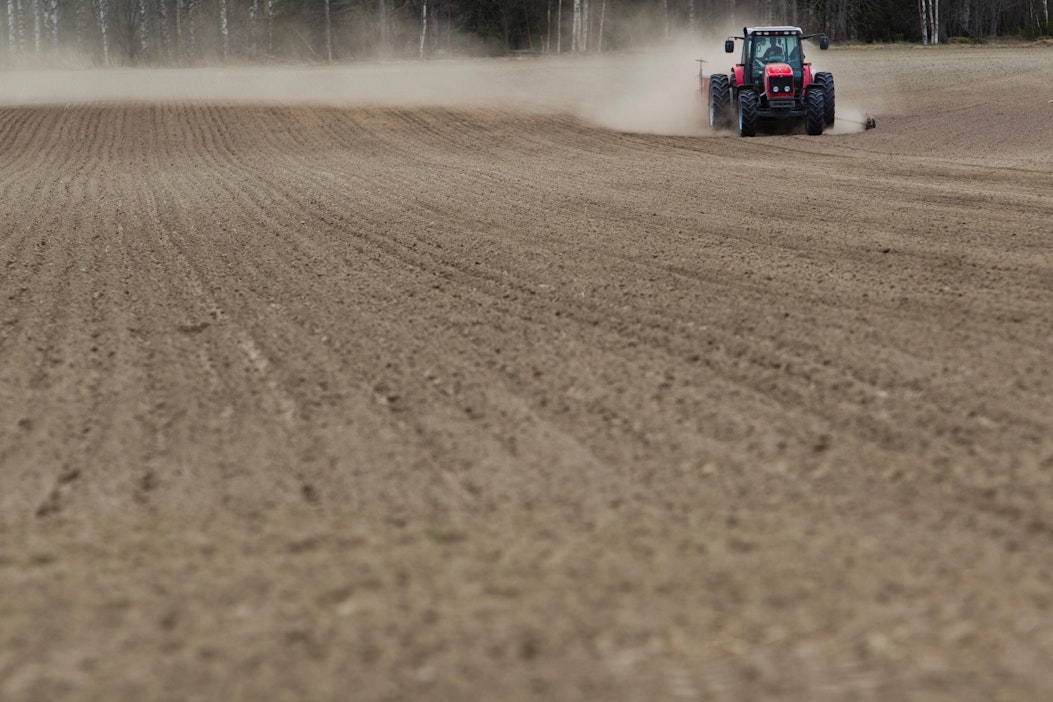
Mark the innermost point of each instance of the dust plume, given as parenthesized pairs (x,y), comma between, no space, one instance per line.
(654,91)
(651,91)
(465,82)
(850,119)
(657,91)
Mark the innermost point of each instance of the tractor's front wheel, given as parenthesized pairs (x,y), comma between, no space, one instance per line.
(747,113)
(719,102)
(816,116)
(826,80)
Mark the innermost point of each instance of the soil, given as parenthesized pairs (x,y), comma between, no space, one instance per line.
(388,402)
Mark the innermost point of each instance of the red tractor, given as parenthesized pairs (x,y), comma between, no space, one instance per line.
(771,82)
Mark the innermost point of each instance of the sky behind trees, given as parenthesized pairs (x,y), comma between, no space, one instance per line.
(187,32)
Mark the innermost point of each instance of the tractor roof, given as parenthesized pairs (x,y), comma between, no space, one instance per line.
(773,30)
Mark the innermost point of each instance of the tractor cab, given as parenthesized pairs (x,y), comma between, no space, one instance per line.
(767,49)
(763,46)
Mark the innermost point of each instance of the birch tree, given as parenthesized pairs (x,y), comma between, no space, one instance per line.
(575,36)
(328,33)
(101,11)
(270,25)
(38,26)
(224,27)
(13,34)
(144,30)
(423,26)
(603,16)
(585,22)
(929,12)
(383,17)
(547,47)
(254,19)
(559,27)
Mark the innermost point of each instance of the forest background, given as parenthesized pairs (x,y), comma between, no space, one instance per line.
(192,32)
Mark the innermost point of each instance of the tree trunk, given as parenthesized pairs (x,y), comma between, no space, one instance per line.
(102,17)
(53,23)
(164,35)
(923,13)
(383,7)
(254,19)
(423,26)
(548,27)
(38,26)
(585,21)
(328,34)
(559,27)
(224,27)
(270,26)
(575,30)
(526,24)
(12,33)
(933,21)
(144,31)
(599,38)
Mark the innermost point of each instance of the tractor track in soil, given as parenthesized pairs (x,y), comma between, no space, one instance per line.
(461,403)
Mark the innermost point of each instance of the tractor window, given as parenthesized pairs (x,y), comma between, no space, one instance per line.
(776,49)
(779,49)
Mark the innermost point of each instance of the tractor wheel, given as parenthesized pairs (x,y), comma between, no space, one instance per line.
(814,120)
(719,102)
(827,81)
(747,113)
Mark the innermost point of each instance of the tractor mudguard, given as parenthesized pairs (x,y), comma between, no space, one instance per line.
(740,79)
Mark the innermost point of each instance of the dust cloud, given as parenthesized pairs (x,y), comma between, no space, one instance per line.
(653,91)
(656,92)
(542,83)
(850,119)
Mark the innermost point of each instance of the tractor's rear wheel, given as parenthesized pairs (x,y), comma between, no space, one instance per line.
(719,102)
(815,117)
(826,80)
(747,113)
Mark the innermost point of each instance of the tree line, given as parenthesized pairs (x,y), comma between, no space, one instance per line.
(179,32)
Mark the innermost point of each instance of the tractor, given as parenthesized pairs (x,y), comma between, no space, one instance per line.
(771,82)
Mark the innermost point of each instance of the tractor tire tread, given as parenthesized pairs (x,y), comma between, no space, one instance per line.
(747,113)
(826,80)
(814,120)
(719,101)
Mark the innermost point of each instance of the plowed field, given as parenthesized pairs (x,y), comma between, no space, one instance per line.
(392,401)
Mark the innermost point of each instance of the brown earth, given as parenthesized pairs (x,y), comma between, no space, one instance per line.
(439,403)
